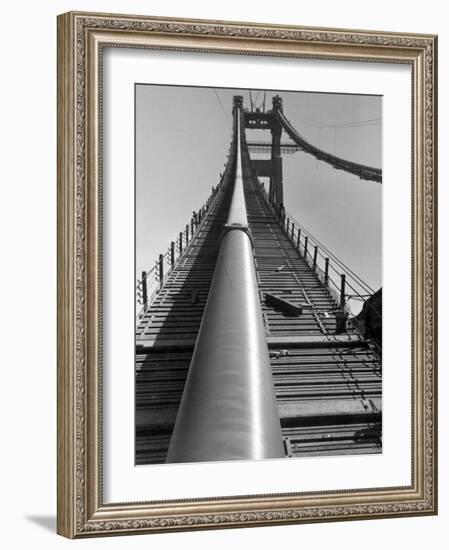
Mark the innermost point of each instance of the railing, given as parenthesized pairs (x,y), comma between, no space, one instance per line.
(152,280)
(342,283)
(331,271)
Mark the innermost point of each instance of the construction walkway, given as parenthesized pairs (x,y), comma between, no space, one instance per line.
(328,382)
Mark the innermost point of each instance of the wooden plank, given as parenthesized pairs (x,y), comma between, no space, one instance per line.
(299,410)
(284,305)
(335,340)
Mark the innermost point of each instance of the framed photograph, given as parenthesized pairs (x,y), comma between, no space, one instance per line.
(246,274)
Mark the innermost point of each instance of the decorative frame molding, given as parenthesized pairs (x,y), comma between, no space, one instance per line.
(81,37)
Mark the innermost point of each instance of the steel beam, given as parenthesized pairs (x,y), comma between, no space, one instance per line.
(274,342)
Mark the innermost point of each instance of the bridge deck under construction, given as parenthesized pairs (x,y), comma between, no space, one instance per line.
(327,381)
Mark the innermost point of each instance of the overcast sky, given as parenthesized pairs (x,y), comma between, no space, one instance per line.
(183,135)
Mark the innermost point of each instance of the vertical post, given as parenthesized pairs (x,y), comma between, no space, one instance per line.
(172,253)
(326,271)
(144,289)
(187,235)
(306,242)
(200,213)
(161,269)
(192,225)
(276,187)
(315,254)
(180,243)
(293,229)
(341,317)
(342,290)
(288,225)
(298,241)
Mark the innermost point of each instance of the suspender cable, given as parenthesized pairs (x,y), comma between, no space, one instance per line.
(228,408)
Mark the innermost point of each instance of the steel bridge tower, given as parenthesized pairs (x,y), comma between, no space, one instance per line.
(244,345)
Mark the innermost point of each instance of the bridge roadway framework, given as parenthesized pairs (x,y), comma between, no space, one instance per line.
(327,386)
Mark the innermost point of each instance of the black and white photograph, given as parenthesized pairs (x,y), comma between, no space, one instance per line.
(223,217)
(258,274)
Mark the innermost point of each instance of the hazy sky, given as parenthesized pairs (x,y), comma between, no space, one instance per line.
(183,135)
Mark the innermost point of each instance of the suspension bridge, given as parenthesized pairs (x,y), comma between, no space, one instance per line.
(245,345)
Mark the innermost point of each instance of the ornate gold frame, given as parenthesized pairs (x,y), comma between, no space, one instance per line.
(81,37)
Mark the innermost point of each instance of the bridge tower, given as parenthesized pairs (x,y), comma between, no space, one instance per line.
(244,345)
(272,168)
